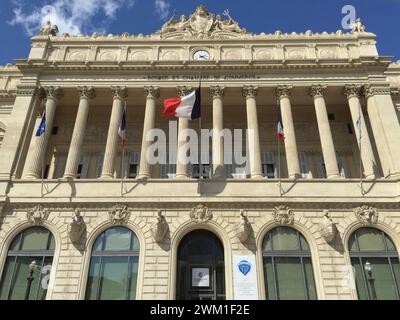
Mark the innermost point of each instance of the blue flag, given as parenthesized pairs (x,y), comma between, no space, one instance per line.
(42,126)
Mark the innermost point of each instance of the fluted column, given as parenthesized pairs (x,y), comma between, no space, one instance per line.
(35,163)
(119,95)
(182,169)
(352,93)
(325,134)
(152,94)
(250,93)
(217,93)
(292,156)
(385,128)
(78,135)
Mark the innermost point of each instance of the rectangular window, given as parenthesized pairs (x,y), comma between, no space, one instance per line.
(342,171)
(321,167)
(168,170)
(132,170)
(268,165)
(61,161)
(82,167)
(99,164)
(304,168)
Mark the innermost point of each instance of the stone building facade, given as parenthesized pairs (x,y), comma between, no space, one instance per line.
(321,81)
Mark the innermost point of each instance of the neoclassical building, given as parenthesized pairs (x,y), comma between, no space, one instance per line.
(316,217)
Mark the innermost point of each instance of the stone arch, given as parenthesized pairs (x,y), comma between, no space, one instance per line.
(136,227)
(223,235)
(310,233)
(18,227)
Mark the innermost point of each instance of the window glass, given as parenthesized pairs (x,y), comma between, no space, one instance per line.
(289,278)
(309,274)
(269,279)
(34,239)
(359,279)
(370,239)
(381,280)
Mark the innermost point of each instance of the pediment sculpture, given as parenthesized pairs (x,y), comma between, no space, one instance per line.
(201,24)
(48,29)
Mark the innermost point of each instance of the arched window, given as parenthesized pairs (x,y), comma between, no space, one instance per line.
(288,271)
(375,263)
(27,268)
(114,266)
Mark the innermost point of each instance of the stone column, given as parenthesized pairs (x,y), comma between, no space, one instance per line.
(385,128)
(250,93)
(217,93)
(152,94)
(292,156)
(35,162)
(182,170)
(119,95)
(75,149)
(352,93)
(325,134)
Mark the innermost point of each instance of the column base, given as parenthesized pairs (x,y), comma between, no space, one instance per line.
(295,176)
(257,176)
(182,177)
(69,176)
(219,176)
(143,176)
(106,177)
(335,176)
(370,177)
(32,176)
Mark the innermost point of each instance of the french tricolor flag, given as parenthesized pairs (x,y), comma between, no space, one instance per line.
(122,128)
(280,135)
(187,107)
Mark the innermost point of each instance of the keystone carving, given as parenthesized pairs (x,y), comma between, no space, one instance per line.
(119,214)
(367,215)
(77,227)
(159,228)
(243,228)
(37,215)
(200,214)
(327,228)
(283,215)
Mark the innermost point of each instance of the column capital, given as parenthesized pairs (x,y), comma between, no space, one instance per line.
(184,90)
(249,91)
(283,91)
(352,90)
(152,92)
(54,93)
(217,91)
(318,90)
(370,90)
(86,92)
(119,92)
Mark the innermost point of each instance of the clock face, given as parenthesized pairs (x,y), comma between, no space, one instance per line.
(201,55)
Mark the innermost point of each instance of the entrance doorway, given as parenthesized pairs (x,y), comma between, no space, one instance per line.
(200,268)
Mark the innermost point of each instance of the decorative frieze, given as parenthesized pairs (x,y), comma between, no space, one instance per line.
(159,228)
(87,92)
(200,214)
(217,91)
(327,228)
(119,214)
(318,90)
(366,214)
(119,92)
(243,228)
(283,91)
(37,215)
(283,215)
(77,227)
(249,91)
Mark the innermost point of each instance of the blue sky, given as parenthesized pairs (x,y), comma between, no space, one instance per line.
(21,18)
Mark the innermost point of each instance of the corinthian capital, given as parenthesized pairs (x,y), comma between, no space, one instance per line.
(217,91)
(87,92)
(283,91)
(184,90)
(318,90)
(152,92)
(54,93)
(119,92)
(352,90)
(249,91)
(369,90)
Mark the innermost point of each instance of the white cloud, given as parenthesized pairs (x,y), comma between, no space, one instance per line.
(71,16)
(162,8)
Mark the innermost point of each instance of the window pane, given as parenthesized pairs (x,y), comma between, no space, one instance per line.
(396,271)
(118,239)
(304,244)
(44,274)
(289,277)
(269,279)
(309,272)
(115,278)
(370,239)
(285,239)
(381,281)
(98,245)
(6,278)
(133,274)
(353,243)
(35,239)
(360,284)
(389,243)
(93,279)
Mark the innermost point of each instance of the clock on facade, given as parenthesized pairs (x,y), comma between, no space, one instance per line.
(201,55)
